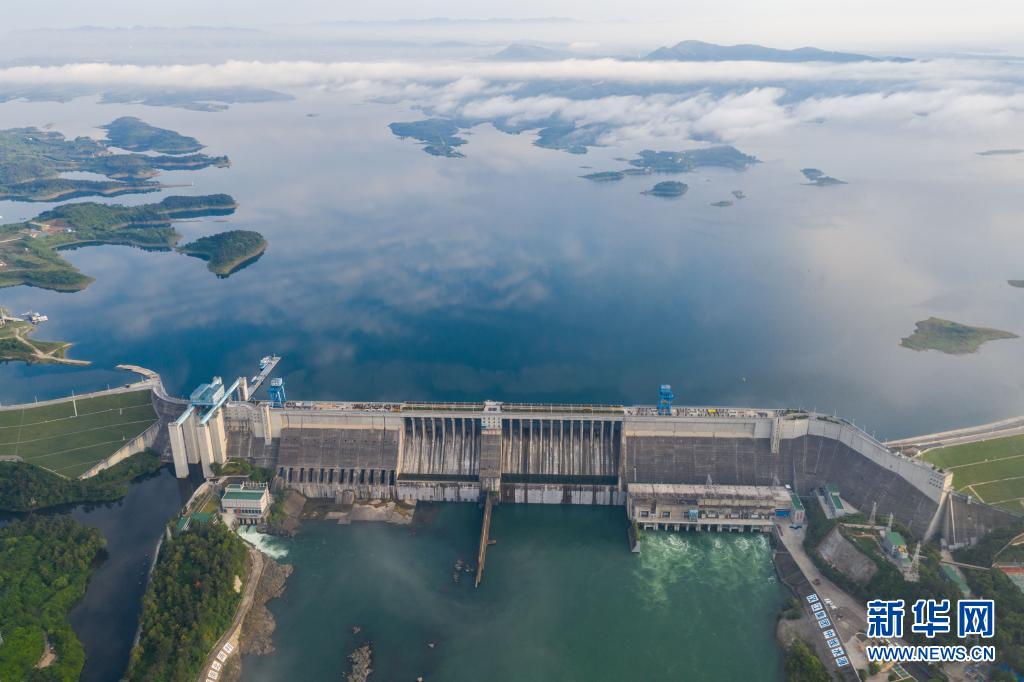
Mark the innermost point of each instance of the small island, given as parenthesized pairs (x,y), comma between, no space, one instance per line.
(33,162)
(1001,152)
(819,179)
(668,189)
(227,252)
(29,251)
(738,193)
(950,337)
(725,203)
(438,135)
(604,176)
(1019,283)
(136,135)
(724,156)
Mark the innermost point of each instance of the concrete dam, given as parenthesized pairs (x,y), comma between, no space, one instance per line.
(566,454)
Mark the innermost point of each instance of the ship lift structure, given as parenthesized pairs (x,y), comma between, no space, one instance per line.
(198,436)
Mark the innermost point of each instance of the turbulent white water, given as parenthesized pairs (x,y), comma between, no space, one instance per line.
(268,544)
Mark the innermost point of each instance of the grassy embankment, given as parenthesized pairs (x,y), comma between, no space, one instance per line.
(950,337)
(991,470)
(52,437)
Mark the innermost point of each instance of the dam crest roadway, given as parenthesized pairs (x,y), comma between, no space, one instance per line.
(542,453)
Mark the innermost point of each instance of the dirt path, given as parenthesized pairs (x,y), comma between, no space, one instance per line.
(21,335)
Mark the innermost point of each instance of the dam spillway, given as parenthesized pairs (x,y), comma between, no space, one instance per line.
(570,454)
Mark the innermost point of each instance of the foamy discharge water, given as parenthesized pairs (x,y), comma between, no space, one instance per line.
(272,546)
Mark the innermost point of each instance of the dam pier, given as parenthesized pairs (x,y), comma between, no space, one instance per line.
(671,467)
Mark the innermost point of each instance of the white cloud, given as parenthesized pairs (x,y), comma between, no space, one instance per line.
(748,98)
(307,73)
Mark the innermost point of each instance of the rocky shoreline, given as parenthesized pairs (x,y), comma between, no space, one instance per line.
(259,624)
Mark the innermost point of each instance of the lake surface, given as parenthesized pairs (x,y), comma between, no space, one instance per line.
(562,599)
(395,275)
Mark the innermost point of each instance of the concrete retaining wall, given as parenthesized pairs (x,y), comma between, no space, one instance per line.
(144,440)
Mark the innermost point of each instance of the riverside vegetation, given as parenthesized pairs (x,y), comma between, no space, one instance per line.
(25,487)
(190,602)
(47,562)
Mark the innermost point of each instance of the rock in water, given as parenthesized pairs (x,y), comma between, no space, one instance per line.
(361,659)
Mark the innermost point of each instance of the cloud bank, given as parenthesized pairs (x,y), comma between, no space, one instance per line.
(627,99)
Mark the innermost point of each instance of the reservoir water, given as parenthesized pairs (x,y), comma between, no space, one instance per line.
(562,599)
(394,275)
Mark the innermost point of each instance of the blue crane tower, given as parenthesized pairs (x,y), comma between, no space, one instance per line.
(276,392)
(665,399)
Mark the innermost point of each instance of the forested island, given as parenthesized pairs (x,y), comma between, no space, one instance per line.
(1019,283)
(668,189)
(32,161)
(227,252)
(819,179)
(649,161)
(25,487)
(438,135)
(724,156)
(950,337)
(47,561)
(191,600)
(135,135)
(604,176)
(29,250)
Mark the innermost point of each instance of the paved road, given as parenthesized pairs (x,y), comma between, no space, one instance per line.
(850,615)
(970,434)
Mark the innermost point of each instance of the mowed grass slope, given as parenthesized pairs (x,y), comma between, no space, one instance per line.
(992,470)
(52,437)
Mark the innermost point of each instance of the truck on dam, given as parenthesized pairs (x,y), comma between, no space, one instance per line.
(659,458)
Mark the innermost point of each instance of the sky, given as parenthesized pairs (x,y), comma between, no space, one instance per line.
(915,24)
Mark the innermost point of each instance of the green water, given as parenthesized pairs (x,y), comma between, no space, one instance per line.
(562,599)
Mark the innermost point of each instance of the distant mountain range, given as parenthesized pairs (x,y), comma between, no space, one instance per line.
(697,51)
(519,52)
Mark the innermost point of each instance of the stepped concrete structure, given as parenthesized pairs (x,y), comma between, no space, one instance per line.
(565,454)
